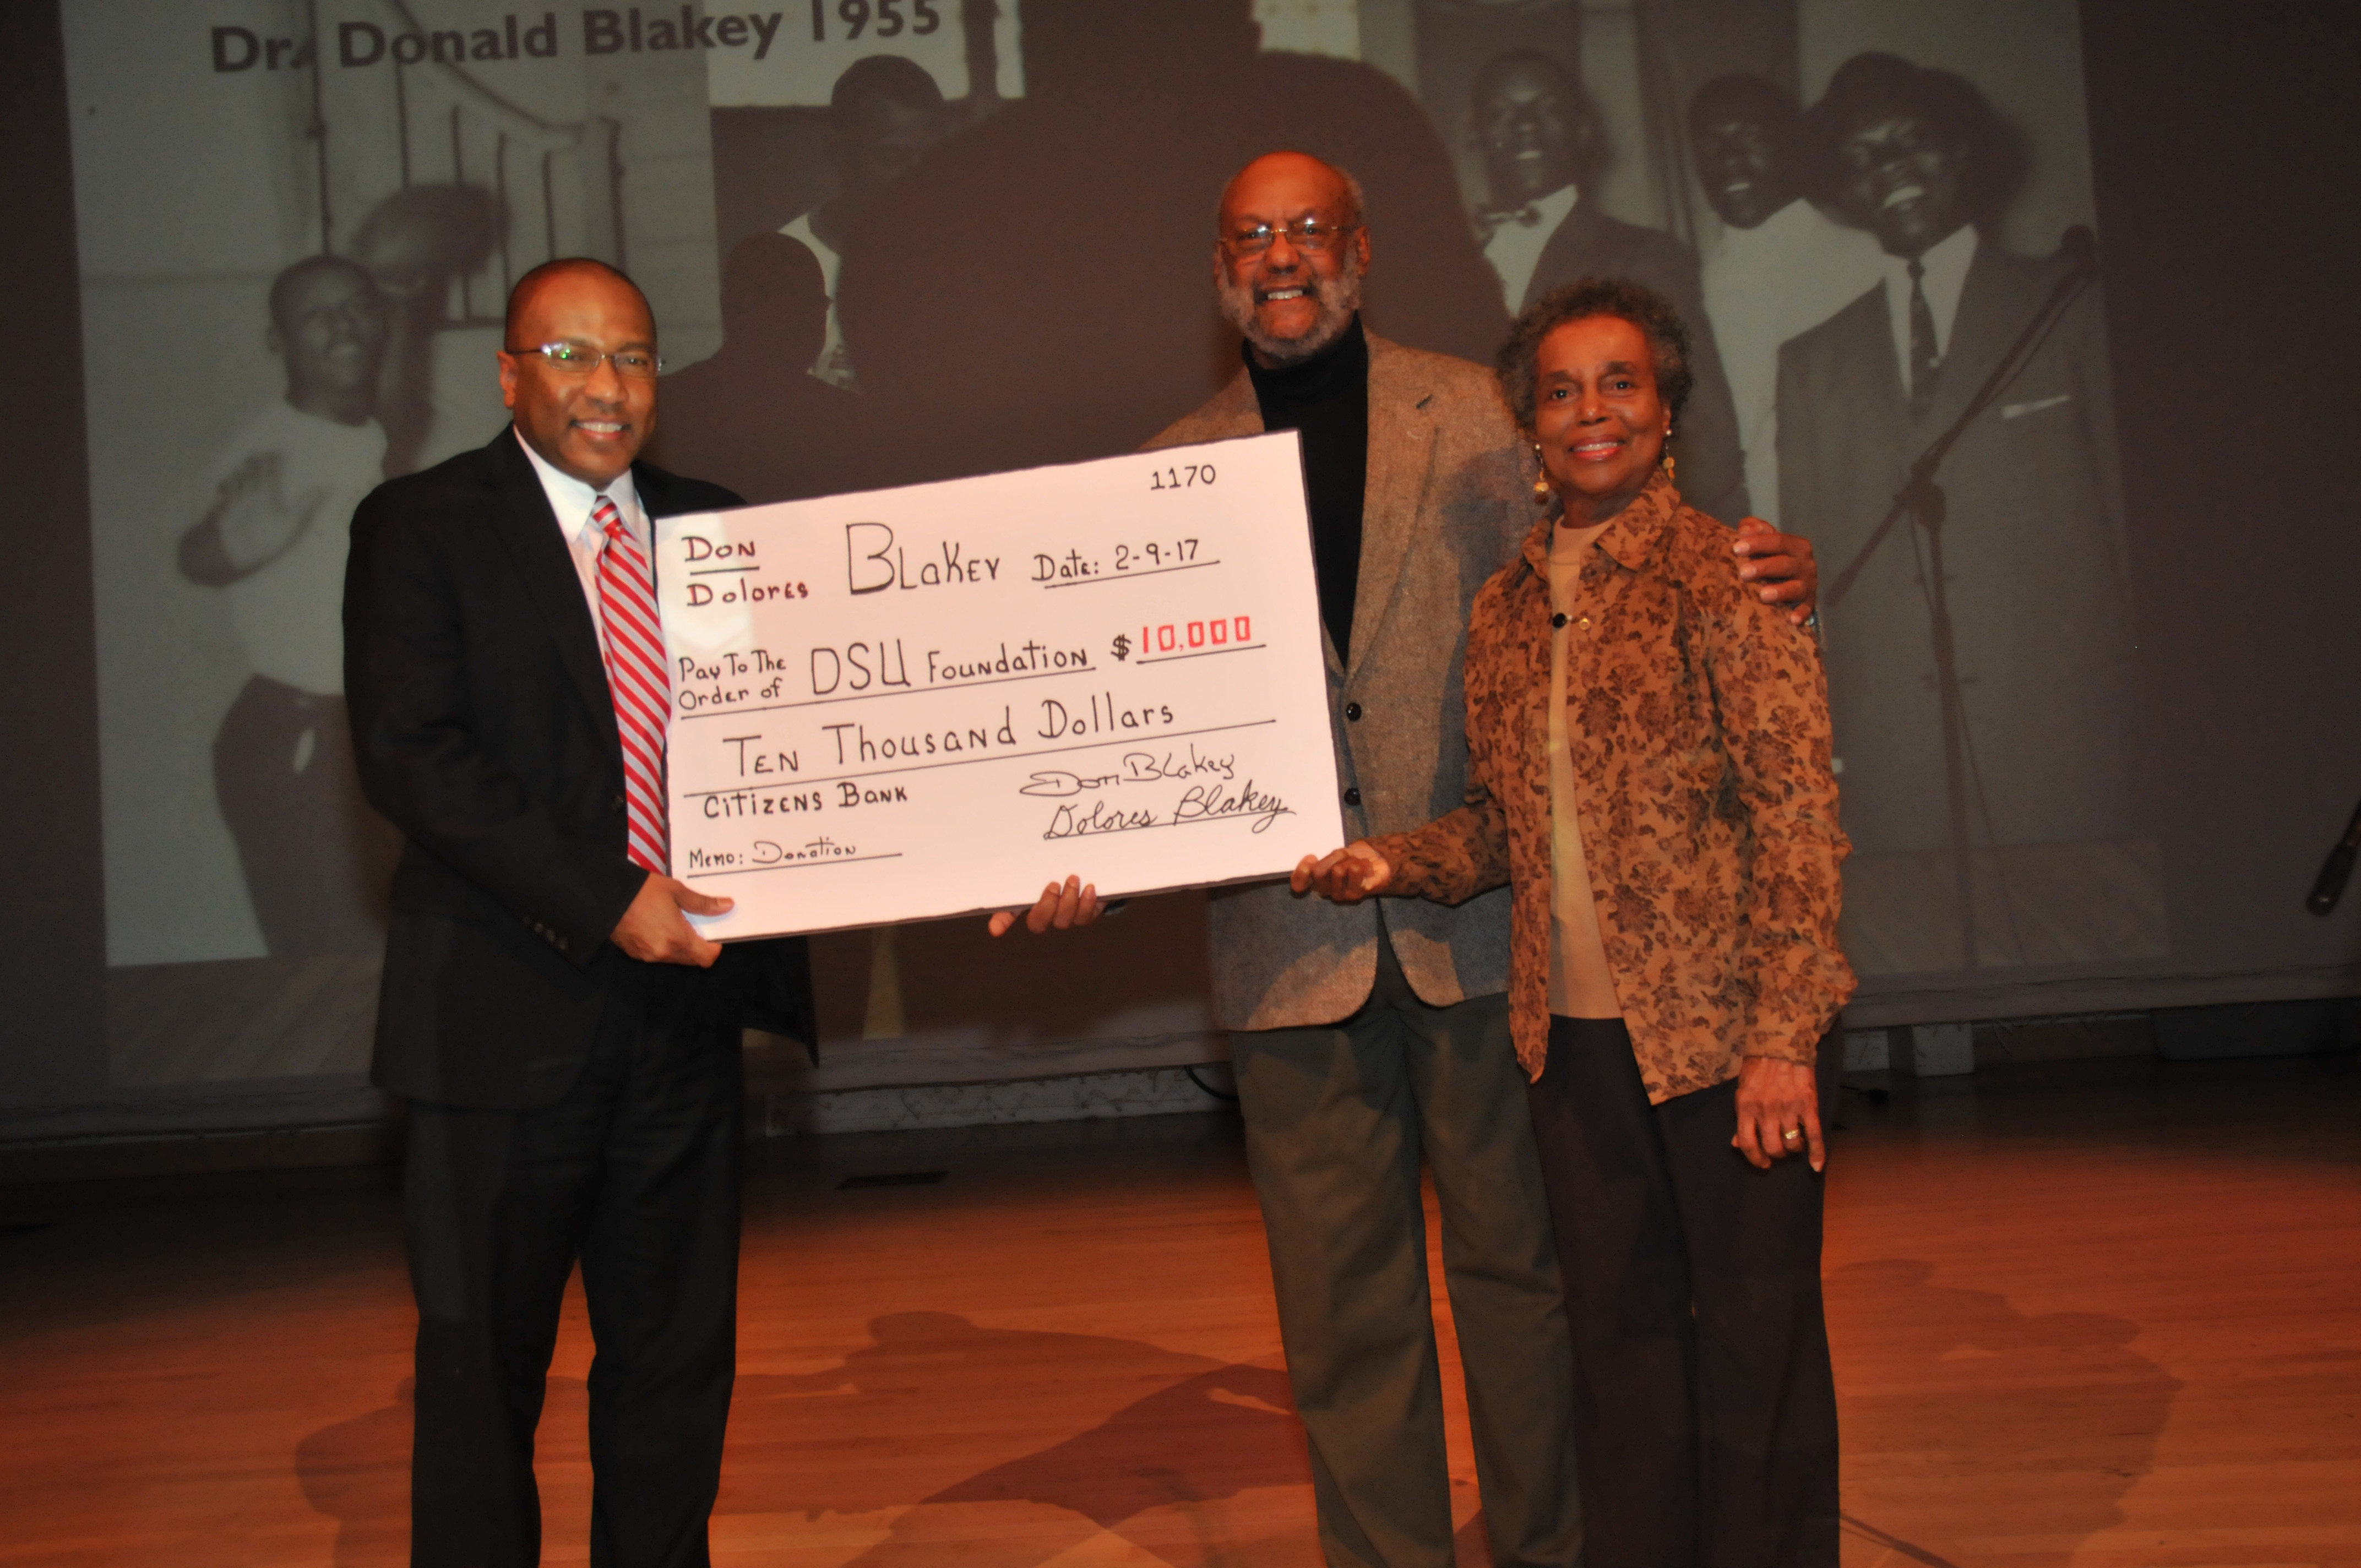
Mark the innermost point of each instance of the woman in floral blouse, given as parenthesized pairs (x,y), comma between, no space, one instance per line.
(1650,771)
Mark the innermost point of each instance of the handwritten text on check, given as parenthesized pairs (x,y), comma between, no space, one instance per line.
(930,701)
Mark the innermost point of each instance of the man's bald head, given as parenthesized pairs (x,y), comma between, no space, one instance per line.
(529,288)
(1292,244)
(1338,186)
(587,422)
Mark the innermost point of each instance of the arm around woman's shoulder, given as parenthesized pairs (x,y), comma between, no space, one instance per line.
(1770,695)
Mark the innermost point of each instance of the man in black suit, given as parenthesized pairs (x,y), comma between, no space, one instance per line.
(2035,570)
(568,1041)
(1543,150)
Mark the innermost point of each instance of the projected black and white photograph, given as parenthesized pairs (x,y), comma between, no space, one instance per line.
(302,299)
(861,223)
(1831,194)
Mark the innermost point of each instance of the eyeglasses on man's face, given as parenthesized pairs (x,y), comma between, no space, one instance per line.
(582,360)
(1316,235)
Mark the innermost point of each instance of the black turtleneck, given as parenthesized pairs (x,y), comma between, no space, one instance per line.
(1326,398)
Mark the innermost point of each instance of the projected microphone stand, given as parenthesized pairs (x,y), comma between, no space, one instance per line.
(2329,885)
(1921,500)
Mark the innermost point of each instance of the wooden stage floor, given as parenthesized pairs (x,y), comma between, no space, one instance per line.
(2090,1315)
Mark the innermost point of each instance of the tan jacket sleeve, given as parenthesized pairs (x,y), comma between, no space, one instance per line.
(1453,858)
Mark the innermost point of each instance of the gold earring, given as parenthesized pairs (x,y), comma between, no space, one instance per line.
(1668,454)
(1540,480)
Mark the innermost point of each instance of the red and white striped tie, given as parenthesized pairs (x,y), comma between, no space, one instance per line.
(635,675)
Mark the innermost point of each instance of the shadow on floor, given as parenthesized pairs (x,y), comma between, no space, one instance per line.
(840,1440)
(937,1425)
(1930,1447)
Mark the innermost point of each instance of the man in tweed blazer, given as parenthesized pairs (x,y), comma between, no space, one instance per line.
(1369,1039)
(1448,498)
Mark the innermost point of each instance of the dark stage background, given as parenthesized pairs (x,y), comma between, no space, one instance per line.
(993,252)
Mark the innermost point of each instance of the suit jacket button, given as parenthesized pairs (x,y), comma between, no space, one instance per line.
(1353,711)
(616,806)
(1353,794)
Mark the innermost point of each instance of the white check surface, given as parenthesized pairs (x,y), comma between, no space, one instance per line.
(930,701)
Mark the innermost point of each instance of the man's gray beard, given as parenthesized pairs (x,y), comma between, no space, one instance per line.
(1338,299)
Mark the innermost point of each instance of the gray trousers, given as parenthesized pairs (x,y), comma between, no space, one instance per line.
(1337,1119)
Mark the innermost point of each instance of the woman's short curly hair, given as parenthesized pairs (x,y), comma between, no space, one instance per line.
(1667,335)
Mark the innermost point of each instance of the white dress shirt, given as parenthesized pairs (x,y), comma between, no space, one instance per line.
(1515,248)
(573,502)
(834,365)
(285,610)
(1762,286)
(1945,274)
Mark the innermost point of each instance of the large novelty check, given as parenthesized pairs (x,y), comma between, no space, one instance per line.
(930,701)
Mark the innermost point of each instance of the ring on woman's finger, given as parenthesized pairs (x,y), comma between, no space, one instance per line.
(1791,1134)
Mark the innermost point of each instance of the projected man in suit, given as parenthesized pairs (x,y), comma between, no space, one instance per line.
(883,114)
(1053,252)
(568,1041)
(1779,266)
(753,415)
(2036,576)
(1543,150)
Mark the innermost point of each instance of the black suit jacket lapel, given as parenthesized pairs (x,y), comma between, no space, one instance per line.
(655,489)
(1868,327)
(1572,239)
(529,530)
(1994,306)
